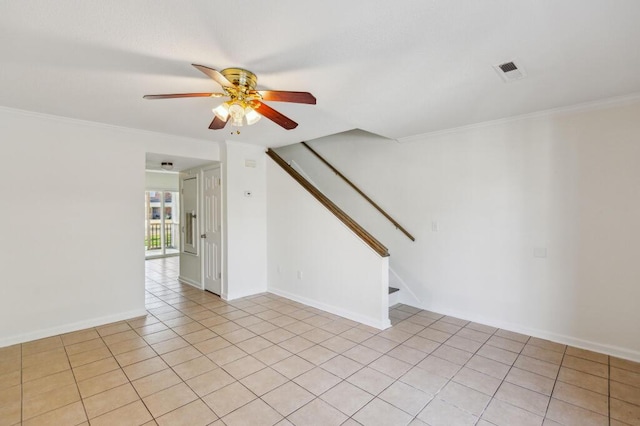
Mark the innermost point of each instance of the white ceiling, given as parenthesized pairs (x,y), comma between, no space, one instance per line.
(396,69)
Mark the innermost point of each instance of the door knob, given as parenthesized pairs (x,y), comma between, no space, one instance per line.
(203,236)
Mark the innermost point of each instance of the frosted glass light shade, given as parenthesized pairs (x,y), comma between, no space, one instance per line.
(222,111)
(236,111)
(251,115)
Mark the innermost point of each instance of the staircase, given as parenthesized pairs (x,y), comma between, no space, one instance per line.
(303,164)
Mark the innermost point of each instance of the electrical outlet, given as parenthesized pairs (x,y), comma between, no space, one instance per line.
(299,275)
(435,226)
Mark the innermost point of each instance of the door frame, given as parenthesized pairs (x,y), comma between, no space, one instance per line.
(177,206)
(185,257)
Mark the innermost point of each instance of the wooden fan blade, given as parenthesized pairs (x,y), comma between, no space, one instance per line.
(274,116)
(215,75)
(217,123)
(285,96)
(185,95)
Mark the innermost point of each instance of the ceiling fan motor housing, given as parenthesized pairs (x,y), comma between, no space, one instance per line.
(241,77)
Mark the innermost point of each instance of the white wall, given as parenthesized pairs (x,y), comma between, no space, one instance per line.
(162,181)
(567,182)
(73,221)
(315,259)
(245,237)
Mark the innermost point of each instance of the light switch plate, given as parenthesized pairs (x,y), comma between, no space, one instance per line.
(540,252)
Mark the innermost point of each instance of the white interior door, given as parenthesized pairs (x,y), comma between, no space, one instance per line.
(212,231)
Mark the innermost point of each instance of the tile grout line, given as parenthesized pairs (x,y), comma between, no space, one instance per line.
(21,385)
(128,380)
(465,364)
(84,409)
(505,376)
(43,377)
(222,366)
(586,389)
(431,354)
(511,366)
(395,380)
(171,367)
(315,397)
(564,353)
(609,388)
(449,380)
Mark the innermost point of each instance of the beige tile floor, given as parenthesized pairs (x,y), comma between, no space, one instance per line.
(264,360)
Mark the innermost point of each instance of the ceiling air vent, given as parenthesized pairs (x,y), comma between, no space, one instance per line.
(510,71)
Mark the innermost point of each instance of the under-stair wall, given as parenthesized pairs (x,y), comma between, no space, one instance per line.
(315,259)
(332,185)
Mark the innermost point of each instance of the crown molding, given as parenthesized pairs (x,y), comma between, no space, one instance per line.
(95,124)
(582,107)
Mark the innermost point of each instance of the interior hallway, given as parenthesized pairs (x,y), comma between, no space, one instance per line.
(197,360)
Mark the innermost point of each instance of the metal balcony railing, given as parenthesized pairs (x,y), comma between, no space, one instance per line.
(154,238)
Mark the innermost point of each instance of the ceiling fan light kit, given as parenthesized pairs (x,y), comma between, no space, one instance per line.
(246,103)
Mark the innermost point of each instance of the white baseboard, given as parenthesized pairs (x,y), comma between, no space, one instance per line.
(612,350)
(190,282)
(372,322)
(233,296)
(67,328)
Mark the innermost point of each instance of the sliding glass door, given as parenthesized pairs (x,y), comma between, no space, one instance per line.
(162,223)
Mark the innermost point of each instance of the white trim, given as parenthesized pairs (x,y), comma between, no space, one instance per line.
(372,322)
(67,328)
(616,351)
(89,123)
(192,283)
(582,107)
(161,256)
(149,189)
(236,296)
(164,172)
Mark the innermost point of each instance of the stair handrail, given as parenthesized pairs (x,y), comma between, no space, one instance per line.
(365,196)
(369,239)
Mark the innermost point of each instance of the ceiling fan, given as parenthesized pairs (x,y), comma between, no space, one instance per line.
(246,103)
